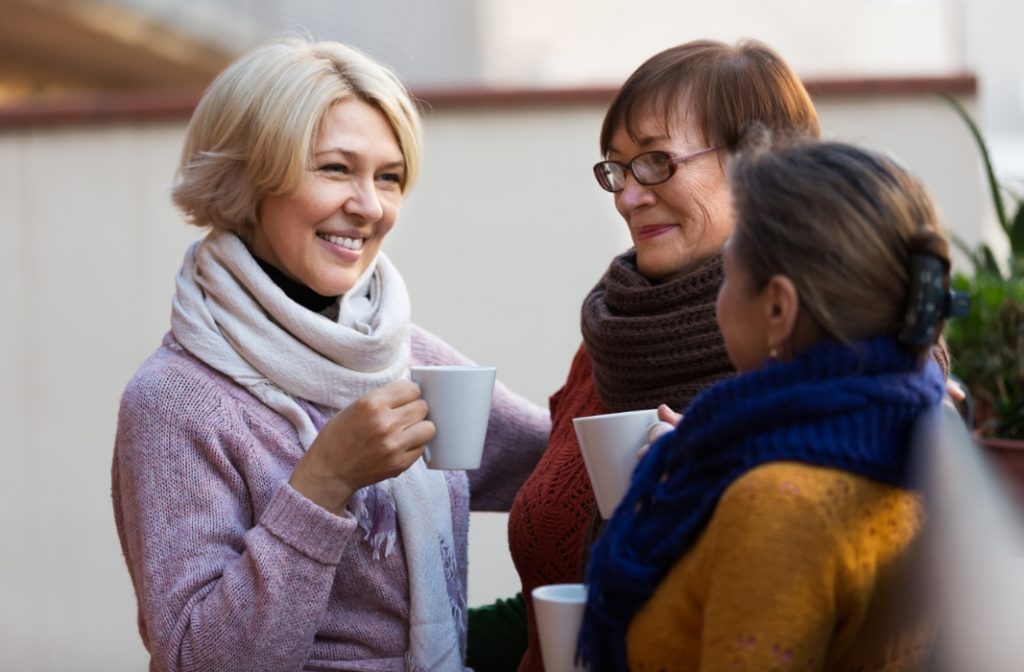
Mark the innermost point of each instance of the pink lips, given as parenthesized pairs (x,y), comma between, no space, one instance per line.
(343,253)
(648,232)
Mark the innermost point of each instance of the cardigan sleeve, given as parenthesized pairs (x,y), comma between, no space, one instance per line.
(219,586)
(517,432)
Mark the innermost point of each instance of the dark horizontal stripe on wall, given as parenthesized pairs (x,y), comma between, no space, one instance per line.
(88,108)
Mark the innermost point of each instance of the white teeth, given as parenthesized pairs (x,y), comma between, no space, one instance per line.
(349,243)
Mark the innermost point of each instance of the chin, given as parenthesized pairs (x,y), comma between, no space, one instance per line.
(654,269)
(331,286)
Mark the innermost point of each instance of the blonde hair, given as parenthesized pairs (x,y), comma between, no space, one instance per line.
(841,222)
(254,130)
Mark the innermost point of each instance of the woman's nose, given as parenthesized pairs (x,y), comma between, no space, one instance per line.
(364,202)
(633,195)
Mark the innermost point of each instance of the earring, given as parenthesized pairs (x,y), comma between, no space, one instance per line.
(773,352)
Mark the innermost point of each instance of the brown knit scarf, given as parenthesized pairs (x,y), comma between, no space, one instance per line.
(654,343)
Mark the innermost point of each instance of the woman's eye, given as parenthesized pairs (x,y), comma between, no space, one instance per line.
(393,178)
(335,168)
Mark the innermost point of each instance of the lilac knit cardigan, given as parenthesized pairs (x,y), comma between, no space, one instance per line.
(235,570)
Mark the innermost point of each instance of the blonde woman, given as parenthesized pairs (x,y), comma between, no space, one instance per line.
(777,527)
(268,492)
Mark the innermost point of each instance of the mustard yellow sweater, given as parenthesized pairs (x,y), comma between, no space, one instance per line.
(800,568)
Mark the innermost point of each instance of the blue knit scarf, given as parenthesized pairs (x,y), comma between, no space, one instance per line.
(851,408)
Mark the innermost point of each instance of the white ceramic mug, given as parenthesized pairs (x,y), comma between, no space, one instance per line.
(610,444)
(559,610)
(459,398)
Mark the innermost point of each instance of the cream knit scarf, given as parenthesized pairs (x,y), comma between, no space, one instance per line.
(230,315)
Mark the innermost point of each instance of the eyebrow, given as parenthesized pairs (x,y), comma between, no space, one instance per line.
(643,143)
(350,155)
(651,139)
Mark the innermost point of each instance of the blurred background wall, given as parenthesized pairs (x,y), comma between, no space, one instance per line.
(499,241)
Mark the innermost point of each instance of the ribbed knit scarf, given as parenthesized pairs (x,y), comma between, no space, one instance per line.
(654,343)
(232,316)
(851,408)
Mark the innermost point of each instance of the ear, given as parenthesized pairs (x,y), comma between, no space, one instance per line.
(782,307)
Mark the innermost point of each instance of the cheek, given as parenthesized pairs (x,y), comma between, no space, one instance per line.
(391,209)
(723,307)
(723,314)
(735,326)
(716,210)
(282,213)
(619,207)
(267,236)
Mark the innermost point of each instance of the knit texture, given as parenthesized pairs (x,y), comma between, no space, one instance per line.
(227,312)
(550,515)
(850,407)
(549,520)
(801,568)
(235,570)
(654,343)
(642,331)
(233,317)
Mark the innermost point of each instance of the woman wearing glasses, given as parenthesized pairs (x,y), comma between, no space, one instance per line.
(649,332)
(777,527)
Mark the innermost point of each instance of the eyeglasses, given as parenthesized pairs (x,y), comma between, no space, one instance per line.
(648,169)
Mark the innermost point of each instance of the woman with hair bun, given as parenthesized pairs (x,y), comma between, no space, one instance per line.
(776,527)
(648,325)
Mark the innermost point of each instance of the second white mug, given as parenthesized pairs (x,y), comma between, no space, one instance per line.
(610,444)
(559,608)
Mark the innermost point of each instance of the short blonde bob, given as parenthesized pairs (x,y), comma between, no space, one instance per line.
(255,128)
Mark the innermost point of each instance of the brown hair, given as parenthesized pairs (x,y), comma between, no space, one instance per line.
(841,222)
(722,89)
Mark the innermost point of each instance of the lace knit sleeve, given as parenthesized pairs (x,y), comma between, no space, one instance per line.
(517,432)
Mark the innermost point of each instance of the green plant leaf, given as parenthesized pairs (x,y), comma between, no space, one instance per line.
(970,252)
(987,345)
(987,350)
(986,262)
(993,183)
(1017,232)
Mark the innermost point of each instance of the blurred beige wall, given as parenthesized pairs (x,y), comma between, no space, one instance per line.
(569,41)
(498,243)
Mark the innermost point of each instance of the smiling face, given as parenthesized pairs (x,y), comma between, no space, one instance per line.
(679,223)
(327,232)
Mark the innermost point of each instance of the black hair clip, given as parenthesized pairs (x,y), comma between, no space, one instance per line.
(929,302)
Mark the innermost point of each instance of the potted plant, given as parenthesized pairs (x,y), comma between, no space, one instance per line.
(987,346)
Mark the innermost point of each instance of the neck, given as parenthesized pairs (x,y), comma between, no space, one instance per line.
(296,291)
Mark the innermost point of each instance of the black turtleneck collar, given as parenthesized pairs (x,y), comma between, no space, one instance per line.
(296,291)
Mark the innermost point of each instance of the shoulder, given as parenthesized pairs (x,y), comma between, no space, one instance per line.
(780,482)
(173,391)
(579,385)
(171,376)
(582,366)
(792,500)
(430,349)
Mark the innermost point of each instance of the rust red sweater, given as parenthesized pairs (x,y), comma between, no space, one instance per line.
(553,509)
